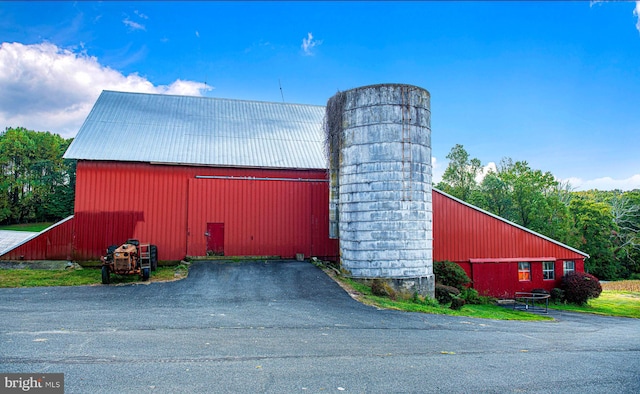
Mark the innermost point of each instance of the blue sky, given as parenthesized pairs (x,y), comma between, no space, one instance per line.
(554,83)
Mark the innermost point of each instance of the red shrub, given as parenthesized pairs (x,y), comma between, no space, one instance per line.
(579,287)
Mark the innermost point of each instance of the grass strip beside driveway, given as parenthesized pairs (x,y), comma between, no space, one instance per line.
(81,277)
(363,294)
(610,303)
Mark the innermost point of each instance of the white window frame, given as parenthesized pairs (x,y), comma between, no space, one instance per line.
(522,269)
(565,266)
(551,273)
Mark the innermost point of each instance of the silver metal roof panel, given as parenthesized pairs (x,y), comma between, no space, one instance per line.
(201,131)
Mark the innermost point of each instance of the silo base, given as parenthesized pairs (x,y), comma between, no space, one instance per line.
(406,287)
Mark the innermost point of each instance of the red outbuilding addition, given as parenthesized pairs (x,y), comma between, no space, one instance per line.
(499,256)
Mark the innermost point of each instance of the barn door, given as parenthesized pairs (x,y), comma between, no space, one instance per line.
(215,239)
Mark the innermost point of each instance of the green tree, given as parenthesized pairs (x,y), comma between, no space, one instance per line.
(459,178)
(496,196)
(17,152)
(529,190)
(559,222)
(531,198)
(5,205)
(625,209)
(38,185)
(594,223)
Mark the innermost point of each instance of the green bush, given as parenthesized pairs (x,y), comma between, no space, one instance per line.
(446,294)
(457,304)
(451,274)
(424,300)
(557,295)
(579,287)
(471,296)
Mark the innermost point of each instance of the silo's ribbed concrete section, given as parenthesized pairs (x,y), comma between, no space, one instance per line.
(380,160)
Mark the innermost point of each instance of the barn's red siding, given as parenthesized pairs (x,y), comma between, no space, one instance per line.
(168,206)
(489,249)
(55,243)
(262,217)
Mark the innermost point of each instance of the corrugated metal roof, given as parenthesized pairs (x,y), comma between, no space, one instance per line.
(201,131)
(11,239)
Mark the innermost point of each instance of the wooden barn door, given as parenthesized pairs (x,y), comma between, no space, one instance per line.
(215,239)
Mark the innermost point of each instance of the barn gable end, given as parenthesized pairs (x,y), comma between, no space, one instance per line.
(489,248)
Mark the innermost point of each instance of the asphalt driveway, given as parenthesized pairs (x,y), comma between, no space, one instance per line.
(286,327)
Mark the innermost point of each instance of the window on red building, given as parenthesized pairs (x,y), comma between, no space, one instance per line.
(548,270)
(524,271)
(568,266)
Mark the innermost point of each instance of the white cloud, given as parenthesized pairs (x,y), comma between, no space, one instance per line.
(140,14)
(133,25)
(47,88)
(491,166)
(197,34)
(606,183)
(436,171)
(308,44)
(636,12)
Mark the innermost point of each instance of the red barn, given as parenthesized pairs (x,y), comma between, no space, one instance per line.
(205,176)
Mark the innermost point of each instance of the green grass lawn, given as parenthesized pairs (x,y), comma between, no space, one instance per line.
(33,227)
(622,302)
(484,311)
(610,303)
(87,276)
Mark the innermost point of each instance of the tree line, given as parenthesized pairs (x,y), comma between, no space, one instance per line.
(37,184)
(603,224)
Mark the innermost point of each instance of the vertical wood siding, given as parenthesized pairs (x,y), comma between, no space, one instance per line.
(261,217)
(168,206)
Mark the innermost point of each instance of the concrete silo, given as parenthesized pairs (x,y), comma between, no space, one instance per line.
(379,143)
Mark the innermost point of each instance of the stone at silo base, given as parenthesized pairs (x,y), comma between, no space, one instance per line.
(406,287)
